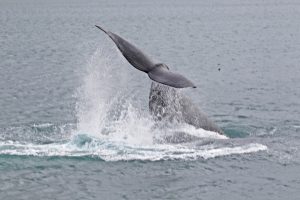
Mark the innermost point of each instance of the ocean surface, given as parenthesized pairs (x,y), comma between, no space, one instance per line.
(74,118)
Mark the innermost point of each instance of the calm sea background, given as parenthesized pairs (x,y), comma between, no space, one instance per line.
(74,121)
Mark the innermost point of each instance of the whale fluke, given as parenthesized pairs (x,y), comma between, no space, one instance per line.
(162,75)
(102,29)
(158,72)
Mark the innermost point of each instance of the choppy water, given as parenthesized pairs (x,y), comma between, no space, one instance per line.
(74,121)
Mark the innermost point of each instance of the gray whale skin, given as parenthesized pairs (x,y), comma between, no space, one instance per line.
(166,102)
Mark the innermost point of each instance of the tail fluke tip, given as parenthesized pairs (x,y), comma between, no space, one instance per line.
(101,28)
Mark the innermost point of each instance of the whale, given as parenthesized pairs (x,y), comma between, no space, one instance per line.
(170,104)
(167,103)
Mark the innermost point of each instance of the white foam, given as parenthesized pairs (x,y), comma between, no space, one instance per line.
(199,133)
(117,151)
(43,125)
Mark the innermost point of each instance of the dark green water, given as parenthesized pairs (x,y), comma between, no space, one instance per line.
(74,121)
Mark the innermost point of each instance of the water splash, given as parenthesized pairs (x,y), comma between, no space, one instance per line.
(118,120)
(113,124)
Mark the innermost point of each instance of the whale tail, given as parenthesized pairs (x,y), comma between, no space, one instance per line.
(102,29)
(157,72)
(161,74)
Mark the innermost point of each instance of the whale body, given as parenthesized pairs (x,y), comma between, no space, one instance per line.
(166,102)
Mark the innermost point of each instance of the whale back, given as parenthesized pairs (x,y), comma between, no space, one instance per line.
(167,103)
(163,103)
